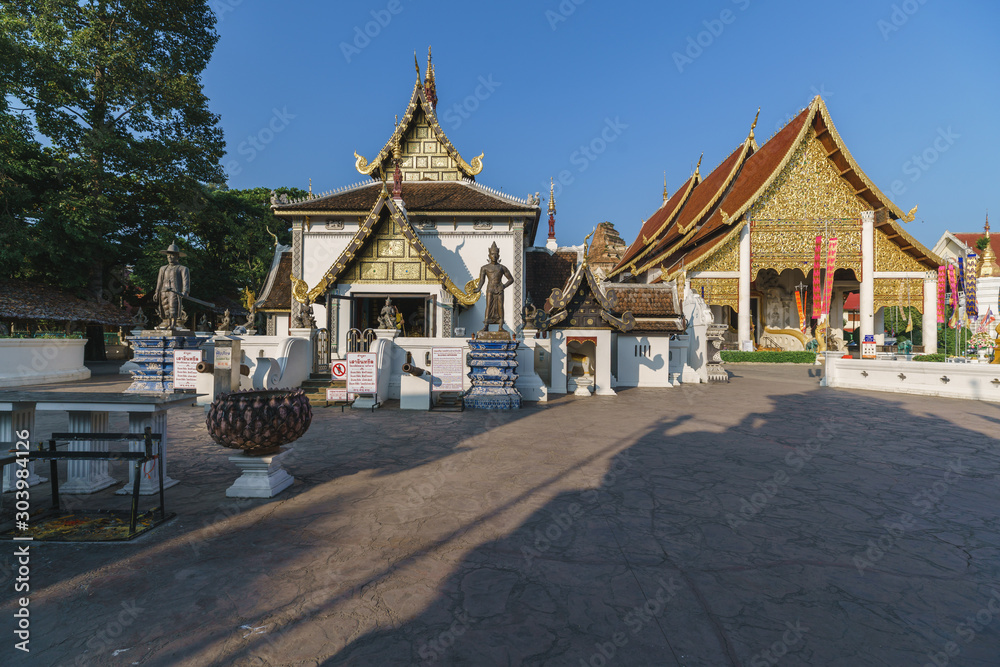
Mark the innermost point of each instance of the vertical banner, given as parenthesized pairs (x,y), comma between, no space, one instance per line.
(831,263)
(817,295)
(961,274)
(802,313)
(953,284)
(942,283)
(971,307)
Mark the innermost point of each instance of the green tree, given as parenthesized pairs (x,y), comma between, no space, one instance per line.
(982,242)
(113,91)
(896,321)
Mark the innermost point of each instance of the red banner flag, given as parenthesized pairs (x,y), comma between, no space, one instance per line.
(831,263)
(817,294)
(802,313)
(942,284)
(953,283)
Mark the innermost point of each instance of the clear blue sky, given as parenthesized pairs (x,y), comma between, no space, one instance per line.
(902,79)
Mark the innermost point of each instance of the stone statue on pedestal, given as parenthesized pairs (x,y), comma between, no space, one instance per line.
(387,318)
(173,282)
(492,276)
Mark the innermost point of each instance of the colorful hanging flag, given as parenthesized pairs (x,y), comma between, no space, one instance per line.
(961,274)
(953,284)
(817,294)
(831,262)
(942,283)
(802,314)
(971,307)
(984,324)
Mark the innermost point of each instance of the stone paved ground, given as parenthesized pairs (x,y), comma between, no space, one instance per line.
(764,522)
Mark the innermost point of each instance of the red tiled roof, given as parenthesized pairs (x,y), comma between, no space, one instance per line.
(645,301)
(971,239)
(280,295)
(418,196)
(710,189)
(663,214)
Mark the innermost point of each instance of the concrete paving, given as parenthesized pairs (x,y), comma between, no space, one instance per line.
(768,521)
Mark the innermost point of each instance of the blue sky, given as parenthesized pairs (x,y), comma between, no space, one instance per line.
(913,87)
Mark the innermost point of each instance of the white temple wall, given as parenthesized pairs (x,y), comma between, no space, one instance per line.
(643,361)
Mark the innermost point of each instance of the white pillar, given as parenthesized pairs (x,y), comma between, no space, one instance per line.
(21,419)
(150,484)
(867,295)
(87,476)
(602,365)
(837,313)
(930,313)
(743,329)
(879,326)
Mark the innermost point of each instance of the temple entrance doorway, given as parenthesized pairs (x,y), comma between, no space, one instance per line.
(414,313)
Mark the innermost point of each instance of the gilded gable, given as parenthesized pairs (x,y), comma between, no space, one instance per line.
(809,187)
(424,157)
(387,257)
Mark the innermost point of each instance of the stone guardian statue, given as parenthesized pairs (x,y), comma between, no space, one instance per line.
(173,282)
(492,276)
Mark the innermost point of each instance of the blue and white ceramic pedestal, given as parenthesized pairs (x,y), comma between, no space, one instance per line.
(493,371)
(154,354)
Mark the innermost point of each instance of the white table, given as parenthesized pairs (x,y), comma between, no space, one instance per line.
(88,413)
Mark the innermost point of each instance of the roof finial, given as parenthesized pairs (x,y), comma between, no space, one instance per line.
(551,244)
(552,196)
(697,167)
(987,223)
(417,66)
(310,188)
(754,124)
(429,86)
(665,195)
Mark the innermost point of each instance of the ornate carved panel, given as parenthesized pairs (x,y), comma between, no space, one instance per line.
(790,244)
(725,258)
(424,158)
(899,292)
(387,257)
(718,291)
(889,257)
(808,187)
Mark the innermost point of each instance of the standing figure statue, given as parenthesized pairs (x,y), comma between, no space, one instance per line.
(492,277)
(173,282)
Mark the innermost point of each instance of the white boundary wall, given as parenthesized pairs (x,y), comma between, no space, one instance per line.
(26,361)
(963,380)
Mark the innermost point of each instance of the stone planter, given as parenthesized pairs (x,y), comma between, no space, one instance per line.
(25,361)
(259,422)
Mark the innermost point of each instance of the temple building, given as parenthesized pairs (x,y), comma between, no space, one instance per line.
(416,232)
(951,246)
(744,238)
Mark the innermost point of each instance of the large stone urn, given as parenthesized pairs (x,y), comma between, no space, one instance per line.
(259,422)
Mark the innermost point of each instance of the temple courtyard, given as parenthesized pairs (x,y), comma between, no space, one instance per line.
(761,522)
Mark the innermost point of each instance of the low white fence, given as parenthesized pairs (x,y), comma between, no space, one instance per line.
(975,381)
(25,361)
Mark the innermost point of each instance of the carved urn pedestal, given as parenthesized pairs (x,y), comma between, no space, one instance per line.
(260,422)
(493,371)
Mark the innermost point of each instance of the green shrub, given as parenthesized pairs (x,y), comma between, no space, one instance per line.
(929,357)
(770,357)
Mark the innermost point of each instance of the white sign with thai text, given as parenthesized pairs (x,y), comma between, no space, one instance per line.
(186,368)
(362,373)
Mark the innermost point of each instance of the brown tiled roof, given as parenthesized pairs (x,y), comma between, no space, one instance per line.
(418,196)
(280,295)
(545,272)
(22,300)
(645,301)
(708,192)
(607,246)
(663,214)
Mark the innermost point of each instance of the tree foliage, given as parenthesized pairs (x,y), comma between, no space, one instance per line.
(108,126)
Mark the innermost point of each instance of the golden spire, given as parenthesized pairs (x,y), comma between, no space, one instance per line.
(429,85)
(754,124)
(552,197)
(988,267)
(665,195)
(697,167)
(417,66)
(310,188)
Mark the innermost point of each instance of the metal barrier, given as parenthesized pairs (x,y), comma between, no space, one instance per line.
(321,351)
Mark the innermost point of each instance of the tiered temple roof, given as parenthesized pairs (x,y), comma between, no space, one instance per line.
(703,214)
